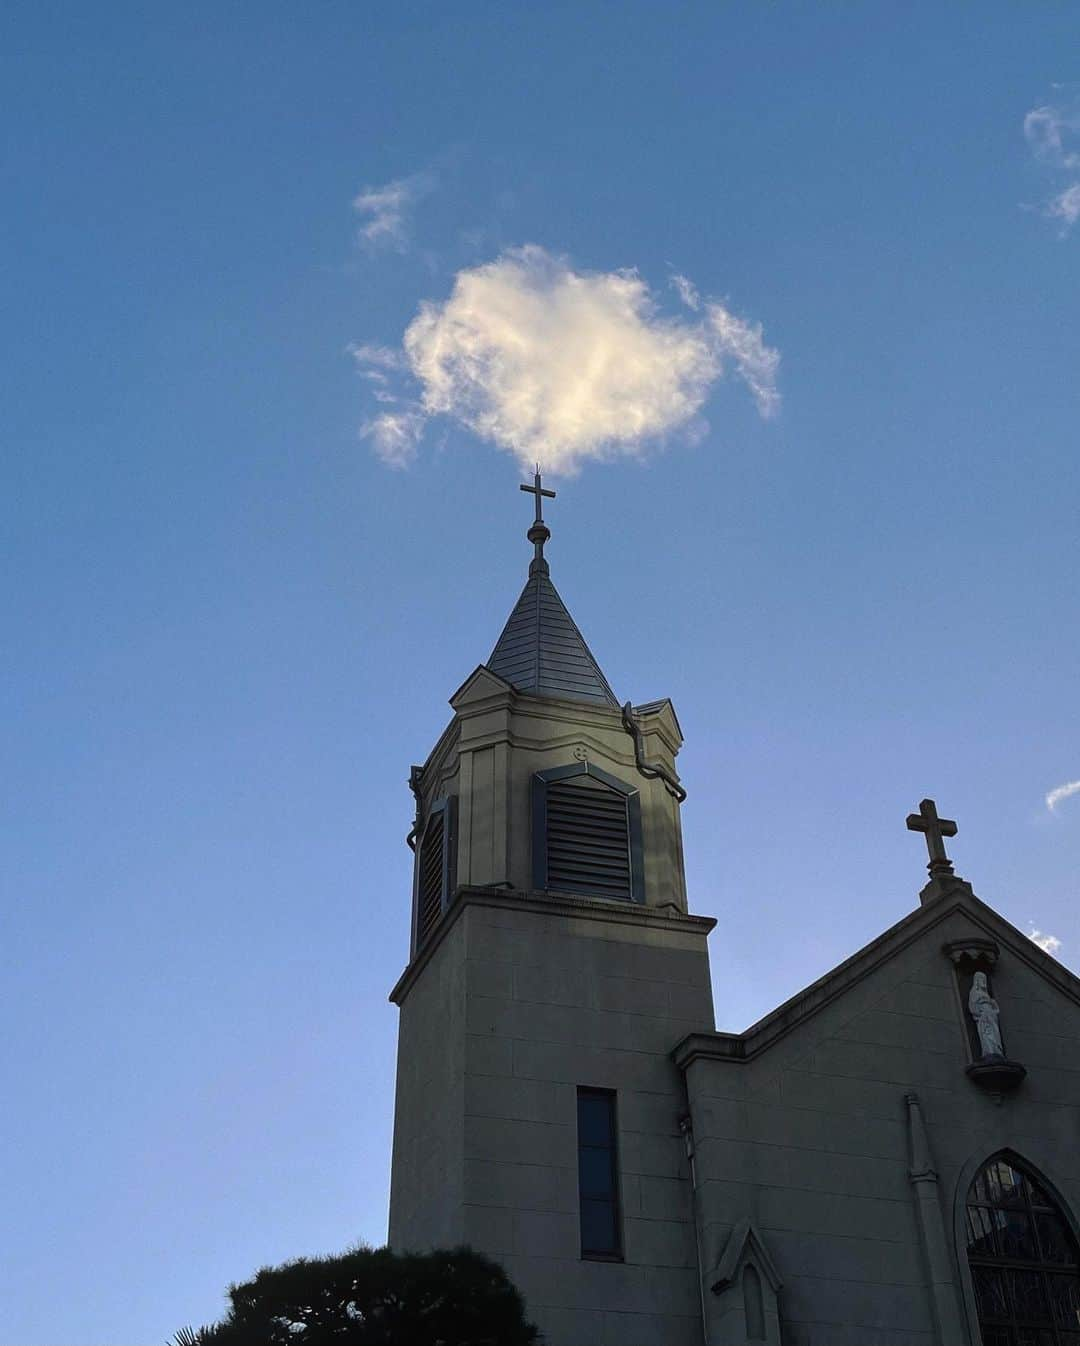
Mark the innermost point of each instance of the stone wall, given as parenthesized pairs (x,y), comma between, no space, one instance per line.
(426,1170)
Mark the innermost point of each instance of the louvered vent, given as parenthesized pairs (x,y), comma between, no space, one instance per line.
(431,868)
(588,838)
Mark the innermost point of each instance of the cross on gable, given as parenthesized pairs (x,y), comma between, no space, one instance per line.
(934,829)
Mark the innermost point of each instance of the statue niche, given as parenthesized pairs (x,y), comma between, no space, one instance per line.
(990,1067)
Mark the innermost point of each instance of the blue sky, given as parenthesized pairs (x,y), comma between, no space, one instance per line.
(231,626)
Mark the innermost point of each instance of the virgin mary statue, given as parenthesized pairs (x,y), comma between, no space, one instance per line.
(983,1008)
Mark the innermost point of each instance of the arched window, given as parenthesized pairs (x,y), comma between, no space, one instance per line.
(1025,1264)
(587,833)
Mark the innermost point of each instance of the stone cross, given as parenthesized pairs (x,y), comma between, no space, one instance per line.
(934,829)
(539,533)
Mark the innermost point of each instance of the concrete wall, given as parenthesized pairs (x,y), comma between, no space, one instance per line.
(554,995)
(809,1140)
(426,1174)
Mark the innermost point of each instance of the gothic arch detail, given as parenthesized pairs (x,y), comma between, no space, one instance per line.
(1018,1243)
(747,1286)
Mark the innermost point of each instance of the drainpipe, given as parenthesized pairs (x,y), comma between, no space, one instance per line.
(651,771)
(935,1243)
(686,1126)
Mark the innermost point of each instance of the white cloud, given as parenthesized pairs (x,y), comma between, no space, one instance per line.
(1048,943)
(395,435)
(1049,130)
(381,357)
(757,363)
(1066,207)
(687,291)
(385,210)
(1060,792)
(561,366)
(377,364)
(1052,132)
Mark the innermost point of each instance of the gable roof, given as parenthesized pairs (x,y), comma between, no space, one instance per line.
(542,651)
(480,683)
(759,1037)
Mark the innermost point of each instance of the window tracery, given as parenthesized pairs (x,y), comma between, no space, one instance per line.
(1024,1259)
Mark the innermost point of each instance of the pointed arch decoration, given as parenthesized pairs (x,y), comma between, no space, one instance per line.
(1023,1257)
(747,1285)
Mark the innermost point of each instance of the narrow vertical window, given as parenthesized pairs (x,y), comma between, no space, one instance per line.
(598,1174)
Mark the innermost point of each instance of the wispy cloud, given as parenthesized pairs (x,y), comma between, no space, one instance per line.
(1065,207)
(563,366)
(385,210)
(687,291)
(1048,943)
(378,357)
(1060,792)
(394,436)
(1052,132)
(377,363)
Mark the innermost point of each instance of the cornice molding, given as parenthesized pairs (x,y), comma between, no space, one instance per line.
(577,718)
(547,904)
(759,1037)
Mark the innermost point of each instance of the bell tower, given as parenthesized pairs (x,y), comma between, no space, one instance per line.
(553,967)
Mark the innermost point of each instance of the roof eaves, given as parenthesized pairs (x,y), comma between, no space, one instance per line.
(760,1036)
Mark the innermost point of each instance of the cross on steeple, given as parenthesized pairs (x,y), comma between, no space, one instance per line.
(539,533)
(538,490)
(934,829)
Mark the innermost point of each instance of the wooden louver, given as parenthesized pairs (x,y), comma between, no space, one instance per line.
(431,868)
(588,838)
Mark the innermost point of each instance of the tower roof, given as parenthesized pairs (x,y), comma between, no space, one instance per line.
(541,650)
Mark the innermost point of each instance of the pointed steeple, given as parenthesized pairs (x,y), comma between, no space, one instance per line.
(541,649)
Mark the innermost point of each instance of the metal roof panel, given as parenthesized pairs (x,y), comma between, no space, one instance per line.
(542,651)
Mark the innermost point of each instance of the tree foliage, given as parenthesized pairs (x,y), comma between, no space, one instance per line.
(374,1297)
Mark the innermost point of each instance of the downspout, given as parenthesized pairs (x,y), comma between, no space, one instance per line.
(651,771)
(935,1243)
(686,1126)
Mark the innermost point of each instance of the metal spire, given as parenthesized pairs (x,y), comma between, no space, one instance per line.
(539,533)
(541,650)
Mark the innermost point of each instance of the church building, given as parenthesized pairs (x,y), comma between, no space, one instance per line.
(890,1158)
